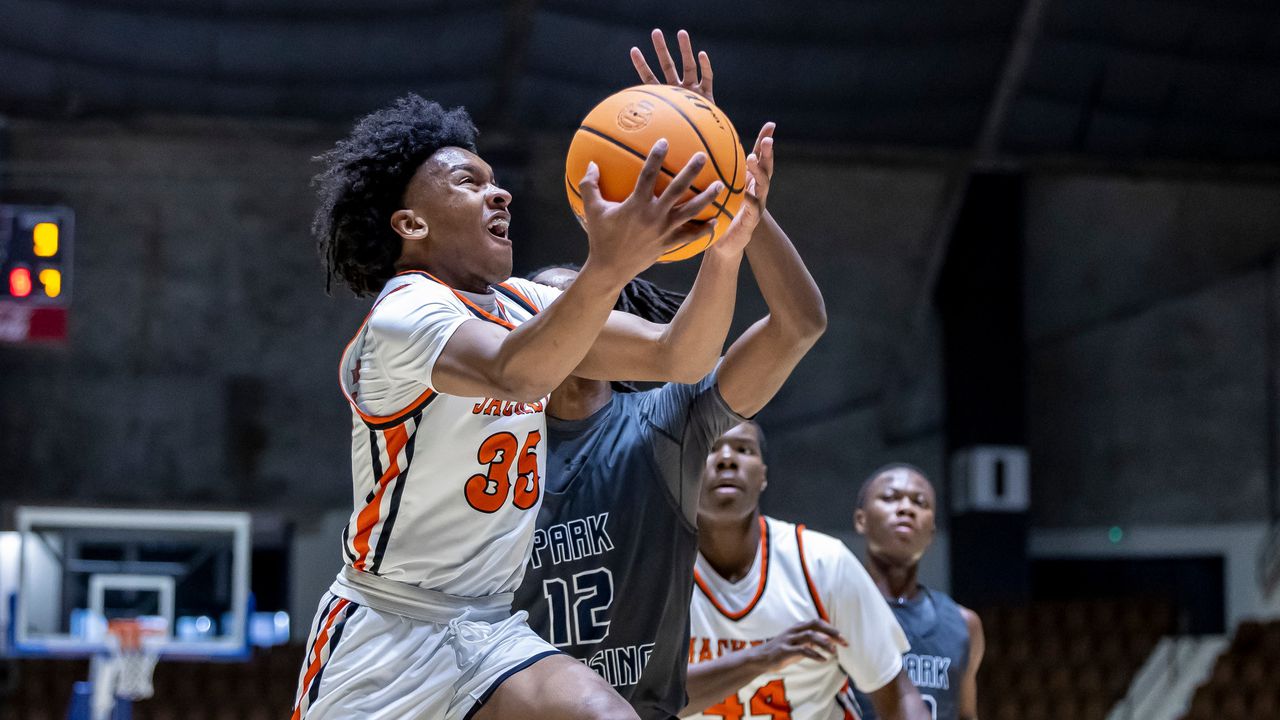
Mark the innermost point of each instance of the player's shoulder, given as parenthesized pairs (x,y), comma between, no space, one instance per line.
(408,296)
(818,550)
(528,292)
(413,288)
(817,545)
(681,394)
(971,619)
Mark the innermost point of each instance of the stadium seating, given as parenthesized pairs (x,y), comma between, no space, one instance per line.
(1243,684)
(1065,660)
(1048,660)
(260,689)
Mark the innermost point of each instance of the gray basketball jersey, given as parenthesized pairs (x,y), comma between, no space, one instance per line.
(611,570)
(939,653)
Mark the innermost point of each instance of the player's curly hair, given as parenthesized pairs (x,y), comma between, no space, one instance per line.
(363,182)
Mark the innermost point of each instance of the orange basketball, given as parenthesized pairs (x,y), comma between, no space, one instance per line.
(620,131)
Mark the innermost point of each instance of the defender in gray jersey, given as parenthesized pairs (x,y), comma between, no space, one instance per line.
(895,514)
(611,573)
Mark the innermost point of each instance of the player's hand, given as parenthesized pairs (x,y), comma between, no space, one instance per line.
(694,76)
(629,236)
(809,639)
(759,176)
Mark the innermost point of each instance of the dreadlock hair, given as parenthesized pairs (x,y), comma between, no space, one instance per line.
(363,182)
(646,300)
(638,297)
(865,489)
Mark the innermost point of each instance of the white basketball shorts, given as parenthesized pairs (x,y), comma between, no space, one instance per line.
(367,663)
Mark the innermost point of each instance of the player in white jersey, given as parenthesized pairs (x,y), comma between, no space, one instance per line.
(447,379)
(781,614)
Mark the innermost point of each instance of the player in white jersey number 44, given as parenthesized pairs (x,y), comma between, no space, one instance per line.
(780,615)
(447,379)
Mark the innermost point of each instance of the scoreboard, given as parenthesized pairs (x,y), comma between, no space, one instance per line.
(35,272)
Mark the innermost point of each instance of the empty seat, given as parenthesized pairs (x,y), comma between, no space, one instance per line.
(1224,671)
(1008,709)
(1233,706)
(1094,708)
(1254,673)
(1266,703)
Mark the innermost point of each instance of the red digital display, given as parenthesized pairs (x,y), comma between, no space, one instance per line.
(36,244)
(20,282)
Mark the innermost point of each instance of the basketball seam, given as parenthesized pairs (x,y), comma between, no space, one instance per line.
(705,146)
(662,168)
(710,239)
(720,208)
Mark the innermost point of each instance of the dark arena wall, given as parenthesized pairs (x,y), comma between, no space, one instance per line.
(200,367)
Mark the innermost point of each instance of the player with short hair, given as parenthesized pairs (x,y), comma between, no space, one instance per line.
(448,380)
(781,615)
(895,513)
(611,571)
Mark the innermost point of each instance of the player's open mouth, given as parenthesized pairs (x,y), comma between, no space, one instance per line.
(725,486)
(498,226)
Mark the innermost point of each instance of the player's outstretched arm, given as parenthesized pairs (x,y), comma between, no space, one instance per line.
(712,681)
(484,360)
(760,360)
(686,349)
(968,700)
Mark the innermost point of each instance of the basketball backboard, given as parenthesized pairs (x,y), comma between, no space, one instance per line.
(184,575)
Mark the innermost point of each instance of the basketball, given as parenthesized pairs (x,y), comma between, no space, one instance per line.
(618,133)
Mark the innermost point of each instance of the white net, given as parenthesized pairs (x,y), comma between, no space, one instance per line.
(133,672)
(126,671)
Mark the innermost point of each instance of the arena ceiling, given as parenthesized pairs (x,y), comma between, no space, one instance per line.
(1182,79)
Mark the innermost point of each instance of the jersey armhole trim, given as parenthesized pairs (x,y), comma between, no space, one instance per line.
(475,309)
(764,578)
(378,422)
(517,297)
(808,579)
(384,422)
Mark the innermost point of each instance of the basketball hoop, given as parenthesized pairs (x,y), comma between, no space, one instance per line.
(134,663)
(125,672)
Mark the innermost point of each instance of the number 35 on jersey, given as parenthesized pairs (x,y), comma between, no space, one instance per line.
(488,491)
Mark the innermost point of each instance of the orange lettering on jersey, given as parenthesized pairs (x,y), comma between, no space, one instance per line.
(758,642)
(704,654)
(771,701)
(721,646)
(730,708)
(479,406)
(736,645)
(493,407)
(692,642)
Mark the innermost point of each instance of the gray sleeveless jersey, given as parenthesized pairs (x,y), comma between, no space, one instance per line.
(611,570)
(938,656)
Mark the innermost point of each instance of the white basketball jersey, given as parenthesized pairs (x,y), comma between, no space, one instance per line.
(798,575)
(446,488)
